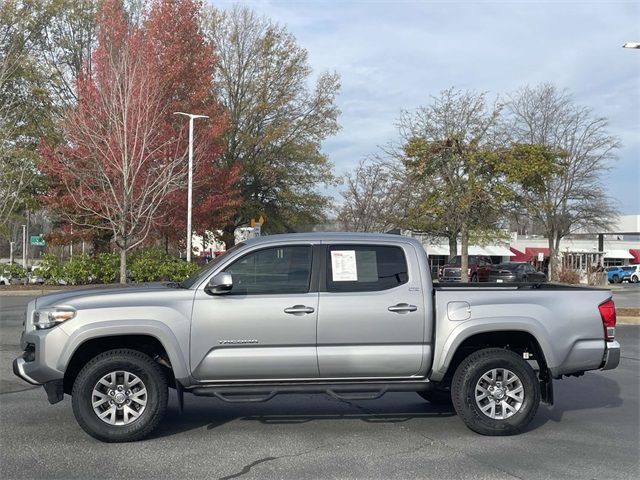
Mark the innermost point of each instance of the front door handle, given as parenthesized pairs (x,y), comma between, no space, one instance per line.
(299,310)
(402,308)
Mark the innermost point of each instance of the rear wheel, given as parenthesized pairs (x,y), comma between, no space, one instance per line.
(120,396)
(635,279)
(495,392)
(616,279)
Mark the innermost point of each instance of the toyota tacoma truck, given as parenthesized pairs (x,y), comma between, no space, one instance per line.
(350,315)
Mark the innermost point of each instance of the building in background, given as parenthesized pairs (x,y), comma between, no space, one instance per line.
(582,250)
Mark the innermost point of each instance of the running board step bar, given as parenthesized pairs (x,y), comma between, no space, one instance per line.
(341,391)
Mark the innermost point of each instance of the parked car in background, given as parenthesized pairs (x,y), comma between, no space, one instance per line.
(622,273)
(615,274)
(479,269)
(509,272)
(5,279)
(632,273)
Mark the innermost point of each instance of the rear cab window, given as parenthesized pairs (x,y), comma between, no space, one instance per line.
(365,268)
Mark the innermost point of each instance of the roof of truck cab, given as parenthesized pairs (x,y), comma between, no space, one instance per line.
(333,236)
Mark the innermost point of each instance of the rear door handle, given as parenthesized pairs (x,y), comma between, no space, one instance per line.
(402,308)
(299,310)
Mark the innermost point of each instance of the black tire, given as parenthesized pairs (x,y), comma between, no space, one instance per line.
(616,279)
(469,373)
(131,361)
(437,396)
(635,279)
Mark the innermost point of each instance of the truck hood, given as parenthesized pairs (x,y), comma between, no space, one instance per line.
(102,293)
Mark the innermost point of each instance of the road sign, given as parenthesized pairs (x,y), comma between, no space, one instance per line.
(37,240)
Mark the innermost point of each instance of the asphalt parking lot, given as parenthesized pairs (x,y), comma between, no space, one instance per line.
(627,295)
(591,432)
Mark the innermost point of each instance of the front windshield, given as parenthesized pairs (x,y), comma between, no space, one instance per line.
(204,272)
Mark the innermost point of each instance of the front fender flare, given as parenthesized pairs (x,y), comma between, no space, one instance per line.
(152,328)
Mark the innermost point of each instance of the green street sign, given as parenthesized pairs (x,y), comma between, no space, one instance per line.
(37,241)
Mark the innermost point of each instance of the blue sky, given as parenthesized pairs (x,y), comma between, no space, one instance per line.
(393,55)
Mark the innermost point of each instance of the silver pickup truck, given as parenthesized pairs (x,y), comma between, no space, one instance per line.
(351,315)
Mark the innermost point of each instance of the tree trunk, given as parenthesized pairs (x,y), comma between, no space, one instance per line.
(554,265)
(228,236)
(123,265)
(464,254)
(453,246)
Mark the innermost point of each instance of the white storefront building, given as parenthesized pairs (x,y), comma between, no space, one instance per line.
(619,246)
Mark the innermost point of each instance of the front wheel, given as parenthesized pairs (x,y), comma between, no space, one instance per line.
(120,396)
(495,392)
(616,279)
(635,279)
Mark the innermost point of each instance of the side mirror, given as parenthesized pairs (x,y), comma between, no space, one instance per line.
(219,284)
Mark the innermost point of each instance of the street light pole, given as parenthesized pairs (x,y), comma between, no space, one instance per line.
(192,117)
(24,246)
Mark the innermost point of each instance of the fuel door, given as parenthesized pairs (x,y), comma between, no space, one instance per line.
(457,311)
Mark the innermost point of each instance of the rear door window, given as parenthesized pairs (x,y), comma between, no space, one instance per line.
(365,268)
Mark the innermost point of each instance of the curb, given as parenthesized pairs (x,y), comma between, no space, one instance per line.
(26,293)
(628,321)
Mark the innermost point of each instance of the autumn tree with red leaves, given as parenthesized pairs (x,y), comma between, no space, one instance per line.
(186,62)
(122,165)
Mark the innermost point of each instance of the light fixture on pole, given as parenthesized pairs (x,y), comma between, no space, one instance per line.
(631,45)
(190,187)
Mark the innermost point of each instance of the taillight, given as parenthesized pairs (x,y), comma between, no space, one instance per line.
(608,314)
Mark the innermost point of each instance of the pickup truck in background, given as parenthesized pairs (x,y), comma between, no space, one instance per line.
(479,269)
(351,315)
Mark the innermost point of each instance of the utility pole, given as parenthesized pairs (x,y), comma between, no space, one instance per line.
(27,236)
(192,117)
(24,247)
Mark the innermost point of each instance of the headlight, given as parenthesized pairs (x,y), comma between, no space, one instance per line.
(50,317)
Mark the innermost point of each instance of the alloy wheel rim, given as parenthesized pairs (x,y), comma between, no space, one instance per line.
(499,393)
(119,398)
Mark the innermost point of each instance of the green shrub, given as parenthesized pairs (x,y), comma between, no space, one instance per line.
(49,268)
(146,265)
(79,270)
(177,270)
(13,270)
(106,268)
(154,265)
(149,265)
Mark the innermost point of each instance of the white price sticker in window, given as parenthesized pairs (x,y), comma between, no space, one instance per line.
(343,266)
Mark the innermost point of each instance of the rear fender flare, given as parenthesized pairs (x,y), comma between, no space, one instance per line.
(473,327)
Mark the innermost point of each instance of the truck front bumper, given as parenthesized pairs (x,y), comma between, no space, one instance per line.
(18,370)
(611,356)
(54,388)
